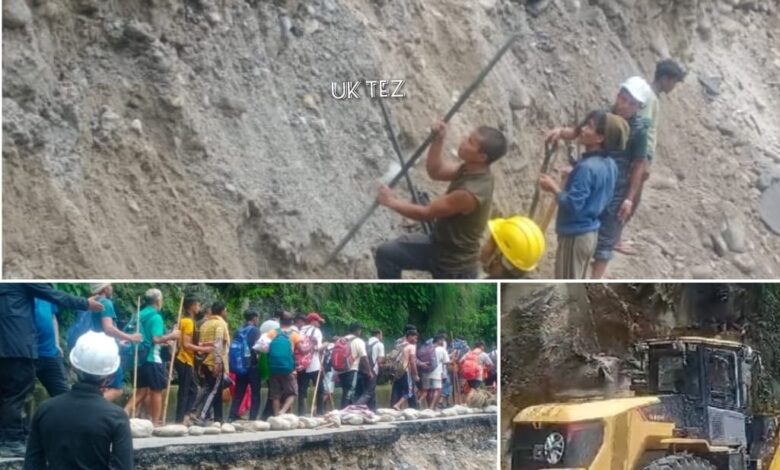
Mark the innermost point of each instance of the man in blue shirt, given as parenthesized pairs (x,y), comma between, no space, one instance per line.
(49,368)
(588,189)
(105,322)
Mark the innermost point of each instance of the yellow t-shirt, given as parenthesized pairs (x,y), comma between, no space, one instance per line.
(216,329)
(187,328)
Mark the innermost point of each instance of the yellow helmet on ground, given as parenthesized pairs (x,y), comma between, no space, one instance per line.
(520,240)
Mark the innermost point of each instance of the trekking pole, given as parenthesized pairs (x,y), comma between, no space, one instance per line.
(170,366)
(549,151)
(135,354)
(417,153)
(316,387)
(397,148)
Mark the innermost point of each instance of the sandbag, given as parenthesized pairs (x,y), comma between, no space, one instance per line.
(308,423)
(197,431)
(426,414)
(279,424)
(410,414)
(388,411)
(333,417)
(212,430)
(386,418)
(228,428)
(370,419)
(491,409)
(171,430)
(259,426)
(141,427)
(354,420)
(449,412)
(294,420)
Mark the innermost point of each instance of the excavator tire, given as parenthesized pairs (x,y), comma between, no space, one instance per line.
(680,462)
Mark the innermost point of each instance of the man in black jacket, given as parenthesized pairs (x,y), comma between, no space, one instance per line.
(80,429)
(18,351)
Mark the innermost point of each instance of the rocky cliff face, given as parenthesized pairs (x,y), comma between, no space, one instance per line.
(162,138)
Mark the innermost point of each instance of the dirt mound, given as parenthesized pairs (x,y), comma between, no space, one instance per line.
(200,138)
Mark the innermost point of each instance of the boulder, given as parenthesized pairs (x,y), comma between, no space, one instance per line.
(171,430)
(732,229)
(769,208)
(278,424)
(228,428)
(197,431)
(16,14)
(141,427)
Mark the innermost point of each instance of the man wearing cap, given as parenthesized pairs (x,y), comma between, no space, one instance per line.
(18,351)
(312,329)
(631,163)
(80,429)
(105,322)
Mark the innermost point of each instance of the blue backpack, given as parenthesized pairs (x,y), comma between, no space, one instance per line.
(280,354)
(240,355)
(82,324)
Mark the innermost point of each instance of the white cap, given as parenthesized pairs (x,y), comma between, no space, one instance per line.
(638,88)
(95,353)
(98,286)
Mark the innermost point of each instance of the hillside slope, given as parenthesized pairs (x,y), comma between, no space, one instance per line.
(167,139)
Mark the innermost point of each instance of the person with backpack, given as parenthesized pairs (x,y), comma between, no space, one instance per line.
(404,384)
(18,352)
(349,359)
(376,357)
(49,366)
(185,360)
(243,363)
(432,381)
(105,322)
(473,365)
(271,323)
(279,344)
(308,363)
(215,366)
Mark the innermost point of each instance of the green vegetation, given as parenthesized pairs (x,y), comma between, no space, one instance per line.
(459,309)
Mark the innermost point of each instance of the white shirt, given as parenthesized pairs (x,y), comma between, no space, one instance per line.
(357,349)
(314,332)
(442,358)
(377,351)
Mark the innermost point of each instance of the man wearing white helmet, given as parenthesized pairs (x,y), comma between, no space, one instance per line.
(80,429)
(631,163)
(105,321)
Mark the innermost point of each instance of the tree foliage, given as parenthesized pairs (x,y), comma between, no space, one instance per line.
(468,310)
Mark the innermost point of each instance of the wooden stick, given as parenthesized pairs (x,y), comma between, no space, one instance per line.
(170,366)
(316,387)
(548,215)
(135,362)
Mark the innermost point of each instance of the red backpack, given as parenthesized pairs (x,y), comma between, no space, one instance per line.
(304,351)
(341,356)
(470,366)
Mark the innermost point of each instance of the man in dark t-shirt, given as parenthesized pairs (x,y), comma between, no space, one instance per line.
(460,216)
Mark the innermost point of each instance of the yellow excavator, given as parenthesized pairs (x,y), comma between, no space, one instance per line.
(690,410)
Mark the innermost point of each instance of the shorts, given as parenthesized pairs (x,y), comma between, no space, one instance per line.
(118,382)
(431,384)
(151,375)
(609,234)
(282,386)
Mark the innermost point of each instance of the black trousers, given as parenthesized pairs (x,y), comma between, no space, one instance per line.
(413,252)
(349,382)
(403,387)
(366,392)
(51,373)
(188,389)
(17,381)
(304,379)
(252,379)
(210,396)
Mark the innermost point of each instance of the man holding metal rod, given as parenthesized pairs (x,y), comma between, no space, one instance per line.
(460,216)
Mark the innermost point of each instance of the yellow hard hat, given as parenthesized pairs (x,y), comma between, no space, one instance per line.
(520,240)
